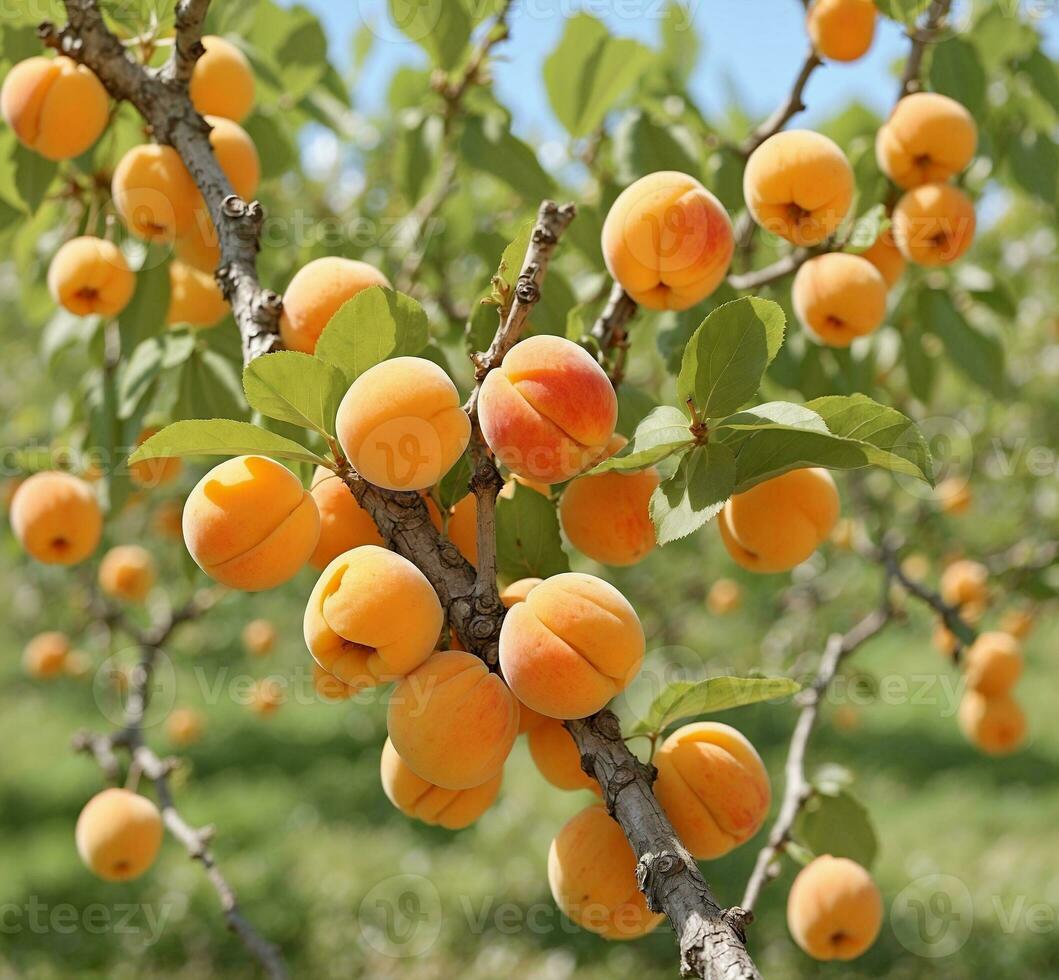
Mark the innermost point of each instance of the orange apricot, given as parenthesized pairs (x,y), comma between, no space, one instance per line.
(184,726)
(927,139)
(329,687)
(154,193)
(725,596)
(934,224)
(965,583)
(46,654)
(344,524)
(993,663)
(886,257)
(195,297)
(56,518)
(834,909)
(839,297)
(555,754)
(259,637)
(518,590)
(118,834)
(222,81)
(236,154)
(127,572)
(995,725)
(155,472)
(91,277)
(841,30)
(267,697)
(954,496)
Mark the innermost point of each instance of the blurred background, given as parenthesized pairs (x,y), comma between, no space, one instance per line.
(347,126)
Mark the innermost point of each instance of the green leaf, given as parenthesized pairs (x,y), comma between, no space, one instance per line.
(727,355)
(695,494)
(441,27)
(836,822)
(919,365)
(455,484)
(296,388)
(589,71)
(1044,75)
(221,437)
(139,374)
(680,41)
(867,228)
(690,699)
(488,144)
(979,356)
(1034,163)
(771,415)
(33,176)
(642,146)
(527,536)
(956,71)
(209,388)
(145,316)
(662,433)
(903,11)
(373,326)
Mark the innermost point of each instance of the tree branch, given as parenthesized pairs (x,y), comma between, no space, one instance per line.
(187,45)
(611,332)
(791,262)
(921,38)
(793,104)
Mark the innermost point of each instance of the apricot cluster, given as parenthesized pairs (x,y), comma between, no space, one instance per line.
(989,715)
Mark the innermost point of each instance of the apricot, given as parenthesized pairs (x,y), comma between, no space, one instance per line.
(799,185)
(56,518)
(1018,623)
(606,516)
(45,655)
(779,523)
(934,224)
(463,527)
(713,786)
(834,909)
(154,194)
(667,241)
(965,583)
(344,524)
(556,756)
(839,297)
(372,617)
(518,590)
(236,154)
(995,725)
(945,641)
(90,277)
(927,139)
(954,496)
(993,664)
(55,106)
(592,874)
(528,719)
(222,82)
(844,533)
(184,726)
(195,297)
(154,472)
(259,637)
(452,721)
(570,646)
(886,257)
(725,596)
(422,800)
(841,30)
(200,245)
(118,834)
(249,524)
(267,697)
(317,292)
(329,687)
(549,410)
(401,424)
(127,572)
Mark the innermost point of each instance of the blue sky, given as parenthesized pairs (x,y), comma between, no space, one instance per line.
(753,47)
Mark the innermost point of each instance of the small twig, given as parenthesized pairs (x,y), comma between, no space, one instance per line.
(780,268)
(793,104)
(921,38)
(611,332)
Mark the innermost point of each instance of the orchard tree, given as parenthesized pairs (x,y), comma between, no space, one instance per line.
(721,327)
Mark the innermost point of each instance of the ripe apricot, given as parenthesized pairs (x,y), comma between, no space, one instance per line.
(779,523)
(56,518)
(668,241)
(250,524)
(463,527)
(154,193)
(165,522)
(118,834)
(372,617)
(965,583)
(571,645)
(713,786)
(549,410)
(329,687)
(834,909)
(236,154)
(839,297)
(725,596)
(993,664)
(528,719)
(606,516)
(934,224)
(799,185)
(401,424)
(841,30)
(184,726)
(259,637)
(592,874)
(90,277)
(452,721)
(422,800)
(1018,622)
(945,641)
(556,756)
(518,590)
(344,524)
(200,245)
(954,496)
(127,572)
(317,292)
(222,82)
(154,472)
(267,697)
(927,139)
(195,297)
(45,655)
(995,725)
(55,106)
(886,257)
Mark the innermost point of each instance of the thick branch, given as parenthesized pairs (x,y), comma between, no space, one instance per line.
(612,334)
(187,45)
